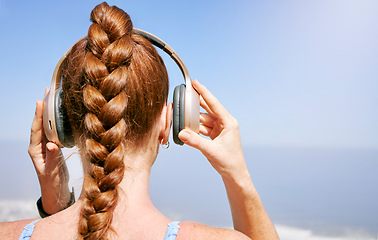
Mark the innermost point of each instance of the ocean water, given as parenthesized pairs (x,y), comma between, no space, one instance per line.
(325,194)
(17,209)
(330,192)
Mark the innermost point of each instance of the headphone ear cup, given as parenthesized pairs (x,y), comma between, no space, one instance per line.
(63,127)
(178,112)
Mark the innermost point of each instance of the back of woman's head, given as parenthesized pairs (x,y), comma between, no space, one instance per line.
(115,85)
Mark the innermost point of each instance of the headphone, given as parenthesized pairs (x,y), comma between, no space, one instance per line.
(186,101)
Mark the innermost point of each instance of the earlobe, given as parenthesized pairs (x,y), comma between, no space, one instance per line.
(165,121)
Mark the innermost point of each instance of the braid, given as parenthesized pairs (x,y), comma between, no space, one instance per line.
(109,50)
(114,87)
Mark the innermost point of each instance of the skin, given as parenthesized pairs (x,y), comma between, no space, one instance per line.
(134,209)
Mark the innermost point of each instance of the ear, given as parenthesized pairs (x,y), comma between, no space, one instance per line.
(165,123)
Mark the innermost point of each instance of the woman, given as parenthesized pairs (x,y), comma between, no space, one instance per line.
(115,89)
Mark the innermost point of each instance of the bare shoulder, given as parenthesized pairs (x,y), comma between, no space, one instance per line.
(193,230)
(13,230)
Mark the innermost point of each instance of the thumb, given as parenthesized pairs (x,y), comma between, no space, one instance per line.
(53,152)
(194,140)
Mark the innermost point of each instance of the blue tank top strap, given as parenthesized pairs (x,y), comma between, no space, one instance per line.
(172,230)
(28,231)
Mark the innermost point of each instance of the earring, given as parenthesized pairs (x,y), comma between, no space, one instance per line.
(166,145)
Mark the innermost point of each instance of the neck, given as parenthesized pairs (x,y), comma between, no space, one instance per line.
(134,206)
(133,195)
(133,189)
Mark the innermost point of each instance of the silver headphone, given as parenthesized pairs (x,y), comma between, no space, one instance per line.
(186,101)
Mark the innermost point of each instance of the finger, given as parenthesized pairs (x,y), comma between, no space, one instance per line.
(205,130)
(203,104)
(47,90)
(194,140)
(36,128)
(212,102)
(206,119)
(53,153)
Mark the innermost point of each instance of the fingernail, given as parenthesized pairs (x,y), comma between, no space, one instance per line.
(48,147)
(184,136)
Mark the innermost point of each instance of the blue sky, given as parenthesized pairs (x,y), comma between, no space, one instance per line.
(296,74)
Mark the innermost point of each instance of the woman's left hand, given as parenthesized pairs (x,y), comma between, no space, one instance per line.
(50,166)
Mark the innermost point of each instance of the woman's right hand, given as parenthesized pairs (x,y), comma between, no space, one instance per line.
(50,166)
(223,149)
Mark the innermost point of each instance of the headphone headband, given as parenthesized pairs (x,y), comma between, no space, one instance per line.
(166,48)
(149,36)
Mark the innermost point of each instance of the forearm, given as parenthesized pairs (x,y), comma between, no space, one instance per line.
(248,213)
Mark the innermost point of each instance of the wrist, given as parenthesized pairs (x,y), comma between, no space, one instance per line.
(240,182)
(53,186)
(54,200)
(236,172)
(48,206)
